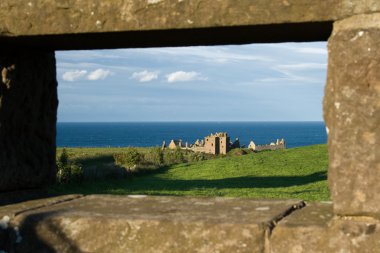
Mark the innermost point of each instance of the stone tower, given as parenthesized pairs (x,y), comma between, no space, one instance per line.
(224,143)
(211,144)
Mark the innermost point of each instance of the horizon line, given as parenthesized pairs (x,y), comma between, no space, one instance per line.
(195,121)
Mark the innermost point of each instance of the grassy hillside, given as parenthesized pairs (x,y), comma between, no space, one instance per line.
(298,173)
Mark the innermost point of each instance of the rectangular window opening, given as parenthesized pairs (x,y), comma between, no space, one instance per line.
(154,114)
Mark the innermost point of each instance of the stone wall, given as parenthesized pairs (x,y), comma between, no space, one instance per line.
(28,112)
(351,107)
(269,147)
(352,115)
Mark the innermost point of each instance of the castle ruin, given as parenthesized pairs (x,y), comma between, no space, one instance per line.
(220,143)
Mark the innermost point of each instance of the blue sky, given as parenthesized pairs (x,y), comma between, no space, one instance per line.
(256,82)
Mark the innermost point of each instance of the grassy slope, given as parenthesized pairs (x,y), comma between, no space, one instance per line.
(293,173)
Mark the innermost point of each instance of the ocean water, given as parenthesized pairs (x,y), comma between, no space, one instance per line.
(145,134)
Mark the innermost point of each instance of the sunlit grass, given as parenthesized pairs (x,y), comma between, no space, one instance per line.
(298,173)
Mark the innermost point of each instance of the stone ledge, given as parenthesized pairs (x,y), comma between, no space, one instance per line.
(150,224)
(358,22)
(106,223)
(15,209)
(315,229)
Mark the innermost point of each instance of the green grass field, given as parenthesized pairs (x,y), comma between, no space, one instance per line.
(298,173)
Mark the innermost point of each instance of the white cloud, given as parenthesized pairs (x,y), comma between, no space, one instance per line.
(73,75)
(312,50)
(217,54)
(298,73)
(145,76)
(302,66)
(317,48)
(88,55)
(99,74)
(182,76)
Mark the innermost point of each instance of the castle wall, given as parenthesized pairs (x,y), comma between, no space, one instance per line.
(198,149)
(269,147)
(224,144)
(211,145)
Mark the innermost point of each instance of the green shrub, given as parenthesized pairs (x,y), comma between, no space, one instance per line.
(77,173)
(237,152)
(174,157)
(67,171)
(63,173)
(128,159)
(154,156)
(196,157)
(64,158)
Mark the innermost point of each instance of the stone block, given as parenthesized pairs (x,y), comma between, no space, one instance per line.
(46,17)
(28,113)
(149,224)
(352,115)
(9,235)
(134,23)
(353,235)
(315,229)
(302,230)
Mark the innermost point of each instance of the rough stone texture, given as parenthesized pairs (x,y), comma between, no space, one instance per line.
(149,224)
(15,209)
(9,236)
(315,229)
(105,223)
(42,17)
(84,24)
(302,230)
(352,115)
(28,108)
(353,235)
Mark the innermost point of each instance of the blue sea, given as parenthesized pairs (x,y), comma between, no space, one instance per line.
(145,134)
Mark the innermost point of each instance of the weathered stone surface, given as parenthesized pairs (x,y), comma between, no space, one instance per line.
(28,109)
(9,236)
(354,235)
(302,231)
(149,224)
(352,115)
(315,229)
(126,23)
(42,17)
(16,209)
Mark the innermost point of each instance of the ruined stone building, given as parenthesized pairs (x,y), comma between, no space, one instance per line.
(218,143)
(280,144)
(175,144)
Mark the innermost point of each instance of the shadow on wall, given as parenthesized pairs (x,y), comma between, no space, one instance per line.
(38,232)
(14,197)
